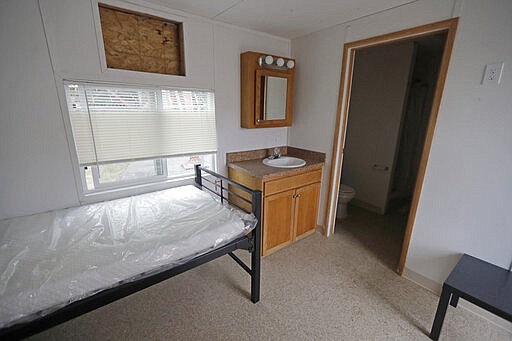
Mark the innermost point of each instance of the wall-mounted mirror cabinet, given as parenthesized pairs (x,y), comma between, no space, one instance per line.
(267,90)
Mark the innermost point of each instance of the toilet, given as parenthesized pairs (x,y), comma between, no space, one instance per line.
(345,194)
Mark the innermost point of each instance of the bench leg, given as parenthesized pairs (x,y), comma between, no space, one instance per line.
(440,313)
(454,301)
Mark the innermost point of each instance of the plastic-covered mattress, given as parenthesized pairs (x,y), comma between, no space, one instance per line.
(51,259)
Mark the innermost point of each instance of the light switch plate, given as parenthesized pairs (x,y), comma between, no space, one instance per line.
(492,74)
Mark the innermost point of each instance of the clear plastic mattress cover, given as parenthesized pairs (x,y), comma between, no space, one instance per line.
(51,259)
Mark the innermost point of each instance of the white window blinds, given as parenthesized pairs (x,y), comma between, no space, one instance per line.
(113,124)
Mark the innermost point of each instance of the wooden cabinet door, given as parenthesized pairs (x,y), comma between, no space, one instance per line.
(306,209)
(277,220)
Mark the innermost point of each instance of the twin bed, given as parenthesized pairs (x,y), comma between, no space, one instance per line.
(58,265)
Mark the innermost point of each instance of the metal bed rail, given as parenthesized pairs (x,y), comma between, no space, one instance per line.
(220,189)
(104,297)
(255,238)
(251,242)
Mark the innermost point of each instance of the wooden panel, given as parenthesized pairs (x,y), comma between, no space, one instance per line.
(248,62)
(295,181)
(246,180)
(140,42)
(237,200)
(306,209)
(277,219)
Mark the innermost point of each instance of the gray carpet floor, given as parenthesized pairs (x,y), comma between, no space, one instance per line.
(341,288)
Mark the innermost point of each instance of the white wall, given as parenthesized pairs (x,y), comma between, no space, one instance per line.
(74,45)
(228,45)
(465,204)
(379,86)
(466,200)
(36,167)
(318,77)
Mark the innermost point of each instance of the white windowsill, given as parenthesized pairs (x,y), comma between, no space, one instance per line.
(110,194)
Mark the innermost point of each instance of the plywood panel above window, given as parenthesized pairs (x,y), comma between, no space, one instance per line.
(141,42)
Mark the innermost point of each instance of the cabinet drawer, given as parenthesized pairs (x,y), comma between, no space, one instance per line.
(276,186)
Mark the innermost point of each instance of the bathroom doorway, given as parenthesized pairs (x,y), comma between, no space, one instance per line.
(390,93)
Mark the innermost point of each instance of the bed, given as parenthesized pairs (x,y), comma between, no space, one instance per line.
(58,265)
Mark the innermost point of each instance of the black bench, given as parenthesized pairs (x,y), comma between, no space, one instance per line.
(479,282)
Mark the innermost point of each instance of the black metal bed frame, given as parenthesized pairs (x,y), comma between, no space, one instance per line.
(250,242)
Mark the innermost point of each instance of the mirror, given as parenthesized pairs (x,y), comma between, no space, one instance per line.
(274,98)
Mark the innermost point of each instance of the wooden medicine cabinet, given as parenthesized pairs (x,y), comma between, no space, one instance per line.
(266,90)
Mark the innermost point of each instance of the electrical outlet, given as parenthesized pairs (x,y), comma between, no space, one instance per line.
(492,74)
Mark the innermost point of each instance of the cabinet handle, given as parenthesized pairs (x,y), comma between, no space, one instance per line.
(296,196)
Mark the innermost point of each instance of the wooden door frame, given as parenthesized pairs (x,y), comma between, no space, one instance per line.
(448,26)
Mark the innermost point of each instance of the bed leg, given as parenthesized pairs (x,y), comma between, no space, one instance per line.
(255,277)
(198,178)
(255,255)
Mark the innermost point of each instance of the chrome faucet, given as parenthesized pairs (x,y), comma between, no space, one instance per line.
(277,153)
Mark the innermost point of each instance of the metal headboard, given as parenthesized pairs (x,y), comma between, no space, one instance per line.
(219,183)
(255,238)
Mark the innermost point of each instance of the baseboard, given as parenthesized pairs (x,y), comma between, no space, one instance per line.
(305,235)
(423,281)
(321,229)
(366,206)
(436,287)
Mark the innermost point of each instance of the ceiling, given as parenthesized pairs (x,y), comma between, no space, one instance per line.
(283,18)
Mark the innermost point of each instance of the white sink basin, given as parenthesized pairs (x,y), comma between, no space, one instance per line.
(284,162)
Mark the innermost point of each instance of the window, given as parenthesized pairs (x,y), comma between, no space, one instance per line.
(126,136)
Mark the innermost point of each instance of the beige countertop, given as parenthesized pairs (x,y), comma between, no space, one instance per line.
(254,166)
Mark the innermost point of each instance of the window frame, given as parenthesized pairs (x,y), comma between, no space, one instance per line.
(130,187)
(126,184)
(98,186)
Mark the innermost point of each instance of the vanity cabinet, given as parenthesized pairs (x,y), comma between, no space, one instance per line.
(290,205)
(306,209)
(266,90)
(278,218)
(290,209)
